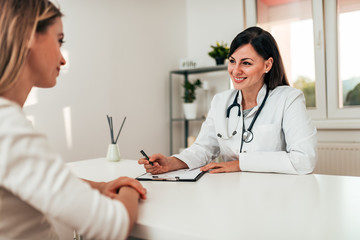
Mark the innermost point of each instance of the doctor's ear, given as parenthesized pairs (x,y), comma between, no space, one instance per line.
(268,64)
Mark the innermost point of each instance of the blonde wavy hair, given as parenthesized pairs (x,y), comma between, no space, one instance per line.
(19,21)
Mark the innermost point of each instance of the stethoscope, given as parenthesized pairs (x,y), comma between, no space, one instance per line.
(247,135)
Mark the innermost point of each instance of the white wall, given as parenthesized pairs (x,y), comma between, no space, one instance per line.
(119,57)
(120,53)
(211,21)
(207,22)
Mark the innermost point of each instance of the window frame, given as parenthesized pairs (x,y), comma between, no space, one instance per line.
(331,30)
(327,114)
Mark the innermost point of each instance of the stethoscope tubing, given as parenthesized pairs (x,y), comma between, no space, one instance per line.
(249,134)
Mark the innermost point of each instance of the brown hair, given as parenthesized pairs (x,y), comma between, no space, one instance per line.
(266,46)
(19,20)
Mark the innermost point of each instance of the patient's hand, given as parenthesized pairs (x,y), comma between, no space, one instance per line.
(111,188)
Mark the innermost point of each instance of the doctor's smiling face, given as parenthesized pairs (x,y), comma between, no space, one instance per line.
(254,60)
(247,69)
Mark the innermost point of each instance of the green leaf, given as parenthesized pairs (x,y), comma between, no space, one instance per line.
(219,50)
(189,90)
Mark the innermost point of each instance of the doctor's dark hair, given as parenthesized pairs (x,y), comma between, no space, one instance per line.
(19,21)
(266,46)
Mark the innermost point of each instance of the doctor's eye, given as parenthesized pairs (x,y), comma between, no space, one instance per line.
(231,60)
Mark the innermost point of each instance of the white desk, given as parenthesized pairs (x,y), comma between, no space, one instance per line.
(240,205)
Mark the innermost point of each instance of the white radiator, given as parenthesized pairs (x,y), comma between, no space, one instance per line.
(338,159)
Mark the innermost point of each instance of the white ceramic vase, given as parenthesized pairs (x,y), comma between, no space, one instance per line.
(190,110)
(113,153)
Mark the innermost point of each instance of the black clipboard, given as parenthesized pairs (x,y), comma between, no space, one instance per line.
(183,175)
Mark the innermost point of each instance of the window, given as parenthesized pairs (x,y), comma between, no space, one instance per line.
(342,49)
(291,22)
(328,74)
(348,13)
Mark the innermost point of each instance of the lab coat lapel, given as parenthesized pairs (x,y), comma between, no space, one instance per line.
(259,99)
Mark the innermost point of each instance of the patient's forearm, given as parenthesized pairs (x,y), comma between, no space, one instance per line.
(130,198)
(95,185)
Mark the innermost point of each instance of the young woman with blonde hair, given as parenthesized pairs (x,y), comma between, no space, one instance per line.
(34,182)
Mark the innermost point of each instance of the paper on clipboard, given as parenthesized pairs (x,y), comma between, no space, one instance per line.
(178,175)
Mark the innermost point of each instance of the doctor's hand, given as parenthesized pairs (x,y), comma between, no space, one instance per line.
(231,166)
(162,164)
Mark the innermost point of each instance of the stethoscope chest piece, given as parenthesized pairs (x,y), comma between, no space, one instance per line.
(248,136)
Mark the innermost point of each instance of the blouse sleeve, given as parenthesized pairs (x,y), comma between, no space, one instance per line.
(32,172)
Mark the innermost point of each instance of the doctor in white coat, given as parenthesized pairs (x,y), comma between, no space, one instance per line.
(260,126)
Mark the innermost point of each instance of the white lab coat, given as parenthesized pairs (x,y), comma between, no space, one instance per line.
(284,137)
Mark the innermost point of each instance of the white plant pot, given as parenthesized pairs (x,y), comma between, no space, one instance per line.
(190,110)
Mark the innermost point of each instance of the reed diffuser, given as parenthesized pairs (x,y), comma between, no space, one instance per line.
(113,153)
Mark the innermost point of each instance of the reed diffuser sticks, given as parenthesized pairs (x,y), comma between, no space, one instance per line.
(111,126)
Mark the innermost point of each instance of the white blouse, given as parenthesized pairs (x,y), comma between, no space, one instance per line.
(35,184)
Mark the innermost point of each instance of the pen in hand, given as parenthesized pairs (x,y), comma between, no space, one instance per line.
(146,156)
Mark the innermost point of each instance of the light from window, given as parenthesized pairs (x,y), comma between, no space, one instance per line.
(348,52)
(291,24)
(68,126)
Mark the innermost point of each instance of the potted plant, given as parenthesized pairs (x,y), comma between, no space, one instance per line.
(189,98)
(219,52)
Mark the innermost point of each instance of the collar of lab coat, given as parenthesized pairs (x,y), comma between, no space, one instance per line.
(259,99)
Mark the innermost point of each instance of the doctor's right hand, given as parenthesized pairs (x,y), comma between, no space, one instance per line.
(161,164)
